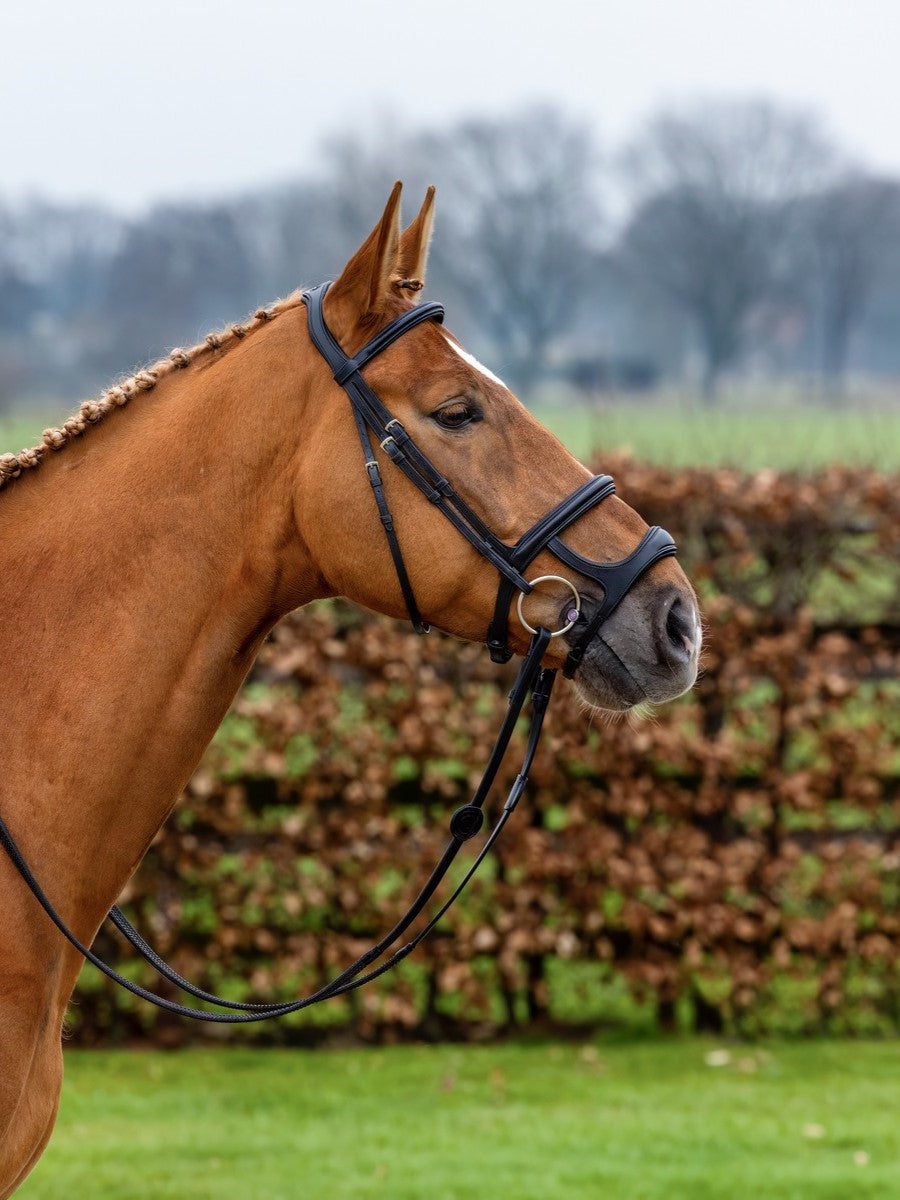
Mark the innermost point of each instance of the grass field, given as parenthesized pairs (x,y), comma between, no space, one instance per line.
(681,1120)
(679,434)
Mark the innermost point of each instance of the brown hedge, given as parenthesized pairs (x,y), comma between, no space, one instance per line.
(735,859)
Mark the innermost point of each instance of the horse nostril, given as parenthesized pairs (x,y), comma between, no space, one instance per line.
(680,627)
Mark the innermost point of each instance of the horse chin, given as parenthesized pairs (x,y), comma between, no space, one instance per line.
(603,681)
(602,701)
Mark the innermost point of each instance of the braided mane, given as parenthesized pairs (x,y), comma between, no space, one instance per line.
(92,412)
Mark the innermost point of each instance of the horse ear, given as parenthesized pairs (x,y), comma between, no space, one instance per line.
(364,285)
(414,243)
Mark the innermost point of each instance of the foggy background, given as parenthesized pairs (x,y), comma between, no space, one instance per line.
(672,197)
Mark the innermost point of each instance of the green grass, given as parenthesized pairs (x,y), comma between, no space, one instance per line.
(680,435)
(20,429)
(623,1121)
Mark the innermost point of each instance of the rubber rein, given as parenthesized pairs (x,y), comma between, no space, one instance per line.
(533,681)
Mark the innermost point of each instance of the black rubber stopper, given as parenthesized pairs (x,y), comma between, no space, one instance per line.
(466,822)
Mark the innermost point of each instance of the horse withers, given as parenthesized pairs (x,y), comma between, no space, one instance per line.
(193,506)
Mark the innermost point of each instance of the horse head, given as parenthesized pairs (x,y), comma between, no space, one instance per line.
(509,471)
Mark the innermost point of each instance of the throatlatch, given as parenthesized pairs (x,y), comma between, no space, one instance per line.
(616,579)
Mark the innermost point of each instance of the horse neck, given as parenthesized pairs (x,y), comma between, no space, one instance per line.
(141,569)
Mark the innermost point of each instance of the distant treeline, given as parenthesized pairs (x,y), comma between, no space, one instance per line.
(725,237)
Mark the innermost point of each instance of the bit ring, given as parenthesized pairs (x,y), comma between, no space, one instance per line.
(544,579)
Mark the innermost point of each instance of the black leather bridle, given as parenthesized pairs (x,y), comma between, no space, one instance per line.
(616,579)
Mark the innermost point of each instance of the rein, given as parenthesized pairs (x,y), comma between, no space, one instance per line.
(533,680)
(464,824)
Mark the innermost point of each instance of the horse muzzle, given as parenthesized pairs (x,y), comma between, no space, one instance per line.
(646,650)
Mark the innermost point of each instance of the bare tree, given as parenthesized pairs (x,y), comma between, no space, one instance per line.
(717,189)
(849,226)
(361,168)
(518,215)
(290,236)
(180,271)
(53,263)
(522,217)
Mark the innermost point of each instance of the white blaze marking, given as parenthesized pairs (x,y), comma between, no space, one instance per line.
(473,362)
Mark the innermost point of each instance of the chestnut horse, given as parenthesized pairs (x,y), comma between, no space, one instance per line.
(143,567)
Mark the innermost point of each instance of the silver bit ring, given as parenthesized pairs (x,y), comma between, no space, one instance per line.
(576,608)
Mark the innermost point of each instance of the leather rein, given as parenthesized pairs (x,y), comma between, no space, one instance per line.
(533,681)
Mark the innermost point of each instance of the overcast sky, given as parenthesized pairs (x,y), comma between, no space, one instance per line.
(128,103)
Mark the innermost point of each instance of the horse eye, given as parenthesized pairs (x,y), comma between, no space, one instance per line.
(454,416)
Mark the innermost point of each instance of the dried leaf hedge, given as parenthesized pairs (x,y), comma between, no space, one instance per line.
(731,863)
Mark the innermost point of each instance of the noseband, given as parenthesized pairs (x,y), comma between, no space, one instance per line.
(616,579)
